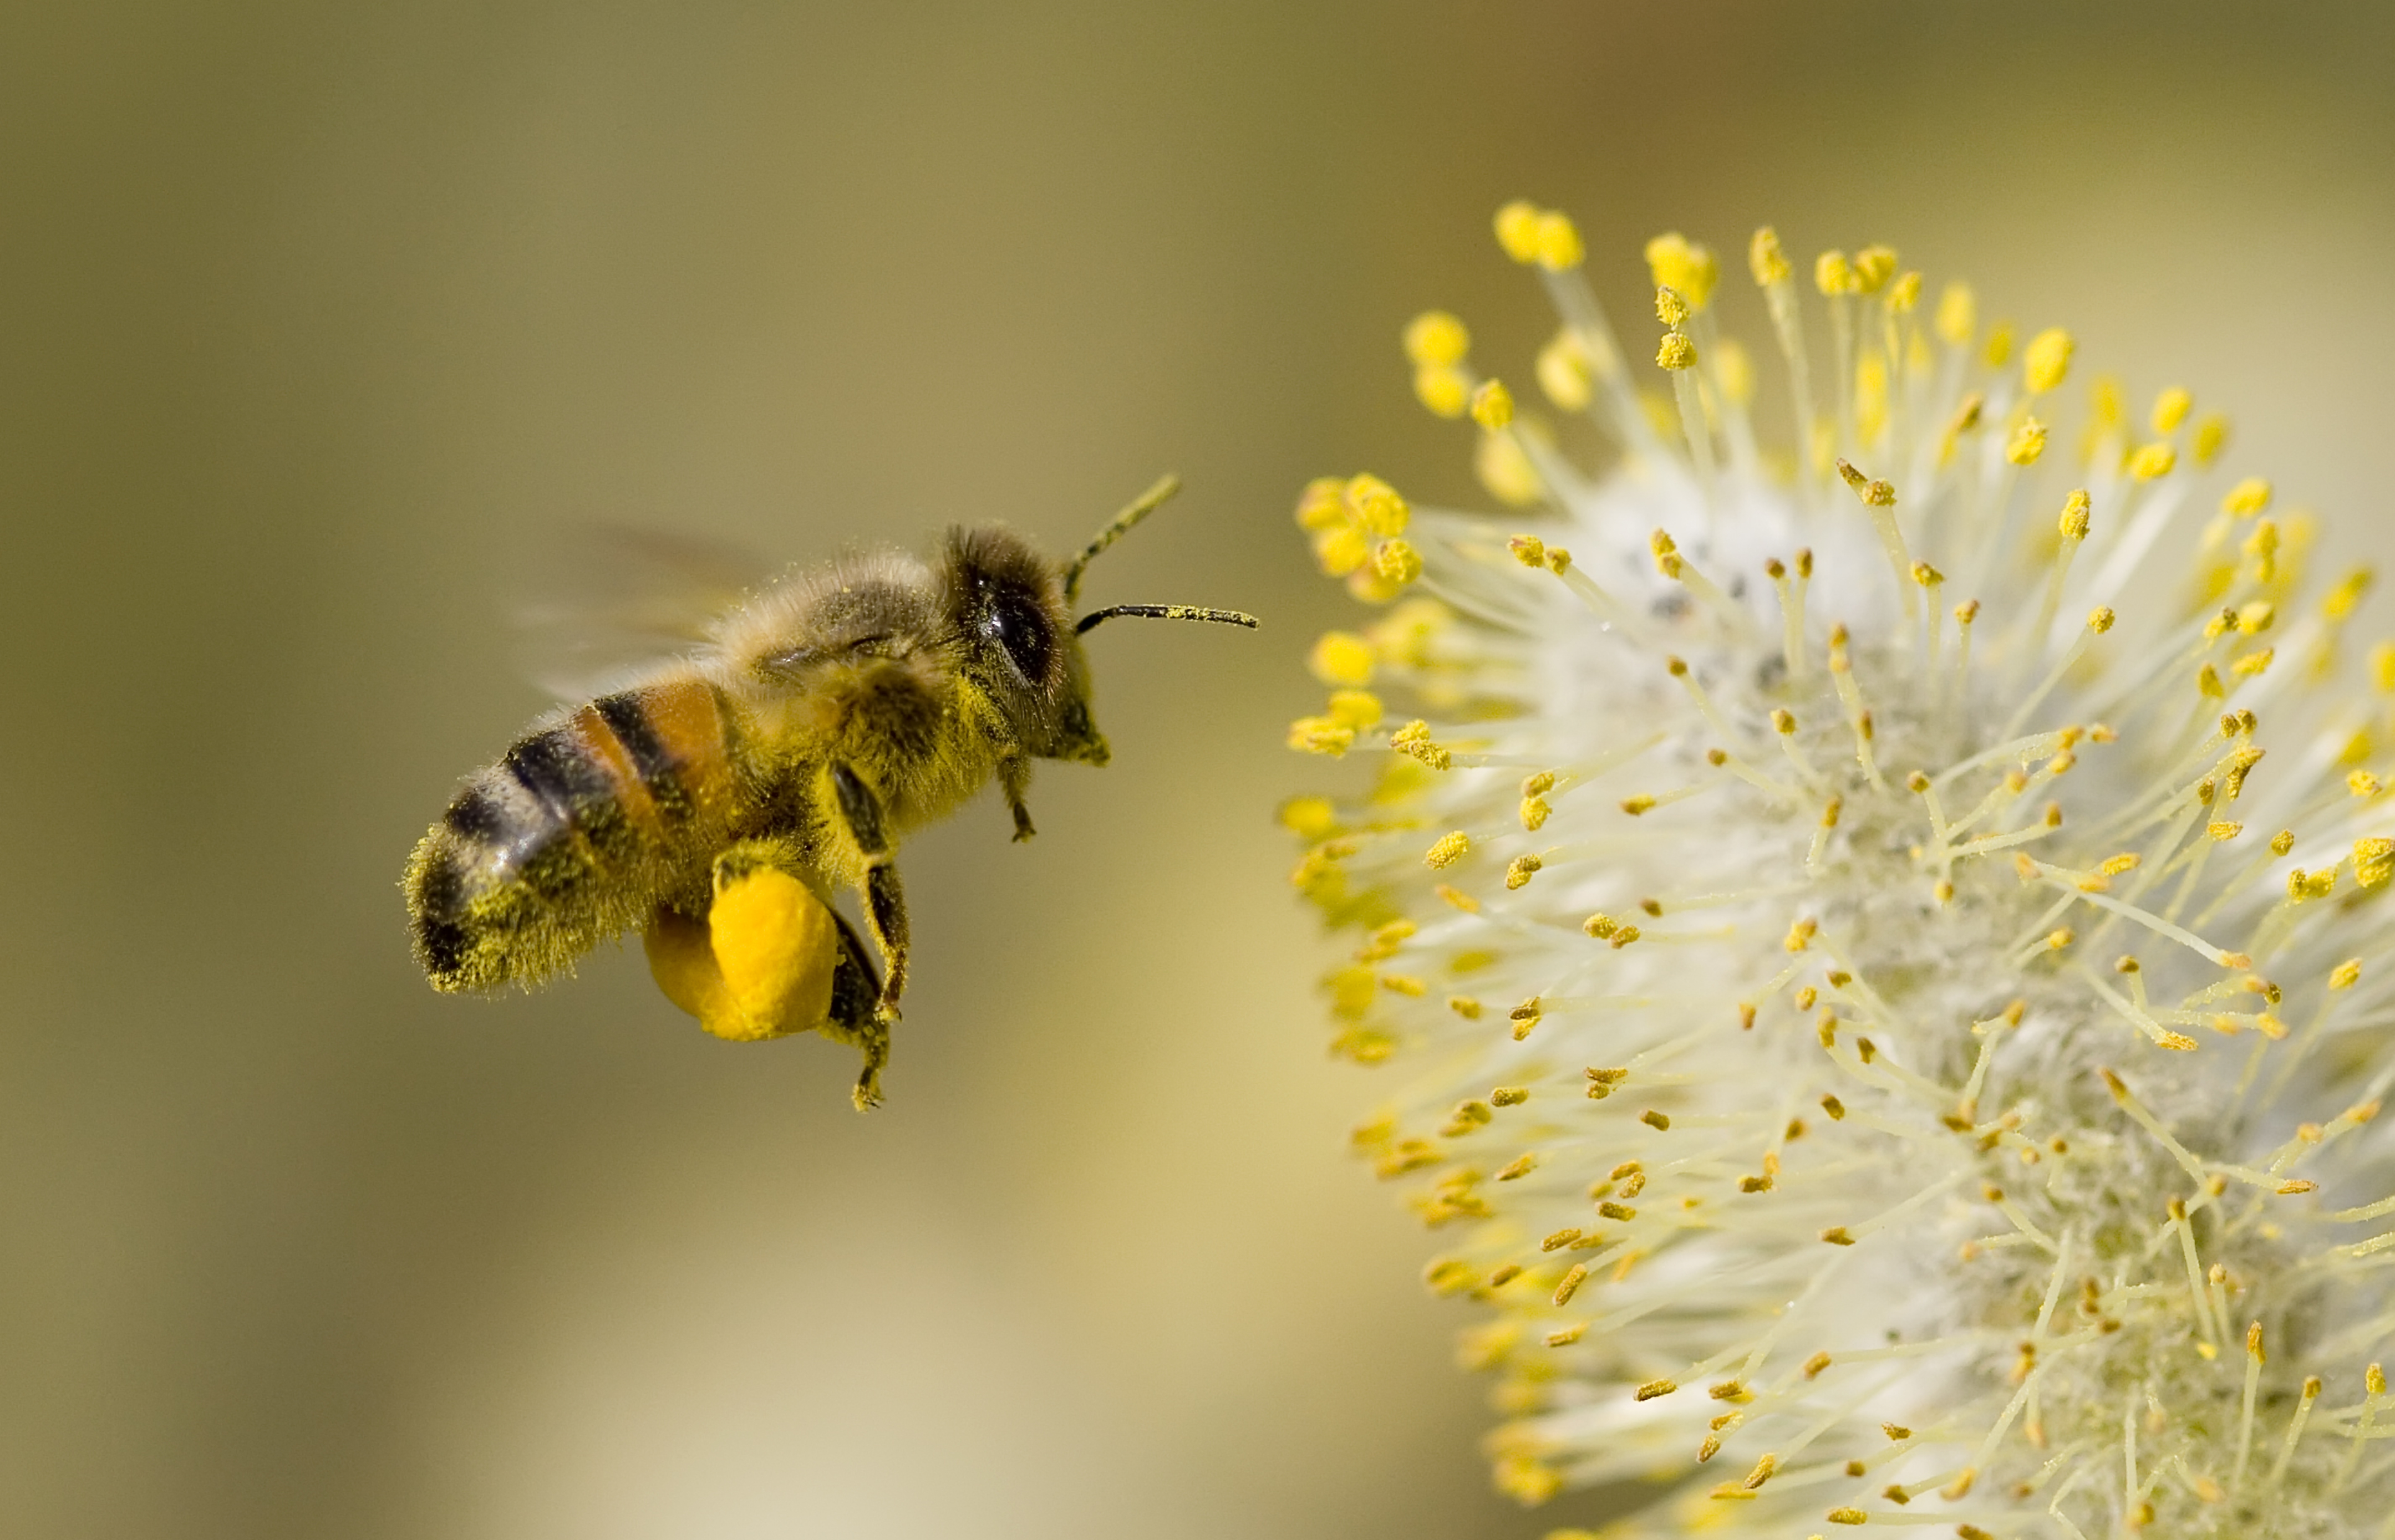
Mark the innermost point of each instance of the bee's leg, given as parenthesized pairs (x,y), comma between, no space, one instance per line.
(1015,775)
(853,1017)
(885,901)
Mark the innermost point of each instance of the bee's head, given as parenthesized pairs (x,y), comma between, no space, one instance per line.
(1013,609)
(1008,606)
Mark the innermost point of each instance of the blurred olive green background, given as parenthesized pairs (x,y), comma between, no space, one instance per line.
(319,322)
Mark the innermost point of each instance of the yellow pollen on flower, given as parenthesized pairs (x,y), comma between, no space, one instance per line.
(1443,389)
(2027,444)
(1377,506)
(2171,409)
(1398,562)
(1873,266)
(1675,352)
(1341,658)
(2211,438)
(1563,372)
(1448,851)
(1492,405)
(2373,861)
(1518,230)
(2248,498)
(1559,244)
(1767,259)
(1671,308)
(2153,462)
(2076,516)
(2046,361)
(1678,263)
(1437,337)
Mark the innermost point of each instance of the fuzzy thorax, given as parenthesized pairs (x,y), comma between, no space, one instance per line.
(1873,946)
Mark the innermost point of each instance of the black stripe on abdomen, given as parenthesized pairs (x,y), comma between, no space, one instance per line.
(628,718)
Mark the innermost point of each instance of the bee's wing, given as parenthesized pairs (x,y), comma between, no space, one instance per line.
(618,600)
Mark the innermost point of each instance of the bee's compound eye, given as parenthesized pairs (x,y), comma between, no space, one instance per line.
(1015,623)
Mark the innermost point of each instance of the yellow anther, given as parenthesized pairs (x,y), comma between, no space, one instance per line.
(1653,1388)
(1873,266)
(2059,936)
(1534,813)
(2027,444)
(2046,361)
(2248,498)
(1506,469)
(1450,850)
(2341,599)
(1308,817)
(1967,611)
(1927,575)
(1518,230)
(1564,373)
(2171,409)
(1958,314)
(2153,462)
(1414,740)
(1520,869)
(1377,506)
(1354,708)
(1832,274)
(2114,865)
(1459,899)
(1875,495)
(1601,926)
(2224,830)
(1436,336)
(2255,616)
(2211,438)
(2361,783)
(2374,860)
(1735,368)
(1783,723)
(1905,293)
(2000,344)
(1675,352)
(1678,263)
(1321,735)
(1341,658)
(2076,513)
(1659,1122)
(2346,974)
(1528,549)
(1767,259)
(2105,403)
(1670,307)
(1492,405)
(2099,620)
(1398,562)
(1637,806)
(1443,388)
(1800,935)
(1322,505)
(2382,667)
(1559,242)
(1465,1005)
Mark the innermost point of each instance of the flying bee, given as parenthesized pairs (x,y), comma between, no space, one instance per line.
(720,800)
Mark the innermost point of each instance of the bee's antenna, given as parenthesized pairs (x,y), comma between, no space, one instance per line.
(1145,504)
(1164,611)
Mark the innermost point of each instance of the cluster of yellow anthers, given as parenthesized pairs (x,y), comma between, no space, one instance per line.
(1878,1038)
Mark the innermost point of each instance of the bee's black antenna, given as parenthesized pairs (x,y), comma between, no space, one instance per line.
(1164,611)
(1141,507)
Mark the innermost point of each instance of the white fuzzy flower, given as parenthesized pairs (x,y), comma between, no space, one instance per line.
(1876,1037)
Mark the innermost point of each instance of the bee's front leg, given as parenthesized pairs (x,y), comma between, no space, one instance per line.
(1015,776)
(885,899)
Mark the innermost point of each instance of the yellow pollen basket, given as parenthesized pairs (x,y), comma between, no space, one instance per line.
(759,966)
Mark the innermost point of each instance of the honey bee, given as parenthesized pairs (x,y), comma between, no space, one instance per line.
(718,801)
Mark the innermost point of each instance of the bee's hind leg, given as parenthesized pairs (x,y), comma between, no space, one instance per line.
(885,899)
(854,1016)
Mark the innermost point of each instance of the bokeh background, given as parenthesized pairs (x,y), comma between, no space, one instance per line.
(321,324)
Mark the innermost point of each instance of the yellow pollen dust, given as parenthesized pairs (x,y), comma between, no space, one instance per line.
(1398,561)
(1675,352)
(1518,230)
(2153,462)
(2248,498)
(1873,266)
(2076,510)
(2027,443)
(1342,658)
(2046,361)
(1437,337)
(1670,307)
(1678,263)
(1492,405)
(1832,274)
(1559,244)
(1767,259)
(1958,314)
(1443,389)
(1377,506)
(1448,850)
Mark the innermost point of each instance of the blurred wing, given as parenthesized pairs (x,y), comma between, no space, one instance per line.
(619,599)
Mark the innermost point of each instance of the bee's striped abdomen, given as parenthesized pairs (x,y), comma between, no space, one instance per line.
(569,837)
